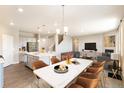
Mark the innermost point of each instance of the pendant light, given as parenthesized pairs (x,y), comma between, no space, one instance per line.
(65,28)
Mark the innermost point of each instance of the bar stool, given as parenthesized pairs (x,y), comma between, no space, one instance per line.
(98,64)
(90,75)
(36,65)
(88,79)
(83,82)
(54,60)
(94,69)
(97,70)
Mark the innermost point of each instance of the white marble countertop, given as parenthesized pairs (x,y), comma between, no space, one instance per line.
(56,80)
(36,53)
(45,57)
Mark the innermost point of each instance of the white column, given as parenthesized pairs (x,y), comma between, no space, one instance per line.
(121,46)
(39,42)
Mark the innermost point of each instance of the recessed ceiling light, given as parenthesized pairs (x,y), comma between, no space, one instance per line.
(11,23)
(20,10)
(48,32)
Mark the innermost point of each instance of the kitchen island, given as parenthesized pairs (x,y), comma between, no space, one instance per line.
(29,57)
(1,71)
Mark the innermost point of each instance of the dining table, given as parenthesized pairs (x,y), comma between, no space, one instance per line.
(61,80)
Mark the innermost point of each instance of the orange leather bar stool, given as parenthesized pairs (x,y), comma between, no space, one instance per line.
(36,65)
(83,82)
(94,69)
(88,79)
(54,60)
(98,64)
(90,75)
(97,70)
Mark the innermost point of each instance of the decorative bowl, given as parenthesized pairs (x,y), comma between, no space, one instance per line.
(58,70)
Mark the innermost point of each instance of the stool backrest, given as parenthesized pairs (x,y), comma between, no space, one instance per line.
(38,64)
(87,83)
(54,60)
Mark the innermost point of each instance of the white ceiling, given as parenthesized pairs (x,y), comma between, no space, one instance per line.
(81,20)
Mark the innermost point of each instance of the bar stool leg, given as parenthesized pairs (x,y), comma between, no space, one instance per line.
(103,72)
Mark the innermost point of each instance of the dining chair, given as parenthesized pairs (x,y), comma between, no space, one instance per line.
(54,60)
(36,65)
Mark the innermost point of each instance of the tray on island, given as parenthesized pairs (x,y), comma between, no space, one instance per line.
(58,70)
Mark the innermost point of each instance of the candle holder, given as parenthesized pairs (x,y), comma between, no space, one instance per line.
(68,60)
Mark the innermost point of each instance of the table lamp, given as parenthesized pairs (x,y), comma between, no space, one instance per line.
(115,58)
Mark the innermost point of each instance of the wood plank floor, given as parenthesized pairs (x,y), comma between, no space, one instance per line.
(19,76)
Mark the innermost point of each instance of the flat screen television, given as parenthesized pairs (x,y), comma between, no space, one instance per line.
(90,46)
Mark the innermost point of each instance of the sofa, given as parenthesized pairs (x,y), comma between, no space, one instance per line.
(104,57)
(71,54)
(94,55)
(107,58)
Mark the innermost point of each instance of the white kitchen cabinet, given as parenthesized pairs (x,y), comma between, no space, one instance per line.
(23,57)
(30,60)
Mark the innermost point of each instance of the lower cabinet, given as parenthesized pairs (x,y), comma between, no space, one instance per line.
(1,75)
(23,57)
(31,59)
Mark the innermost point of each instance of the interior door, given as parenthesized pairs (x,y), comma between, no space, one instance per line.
(7,49)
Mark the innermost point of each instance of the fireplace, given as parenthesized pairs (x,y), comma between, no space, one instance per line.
(108,52)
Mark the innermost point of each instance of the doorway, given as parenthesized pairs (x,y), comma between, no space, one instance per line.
(7,49)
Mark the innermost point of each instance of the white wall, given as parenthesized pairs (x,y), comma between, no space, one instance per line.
(25,37)
(51,42)
(15,34)
(110,34)
(44,44)
(98,39)
(64,46)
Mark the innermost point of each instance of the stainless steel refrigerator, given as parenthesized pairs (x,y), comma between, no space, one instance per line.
(32,46)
